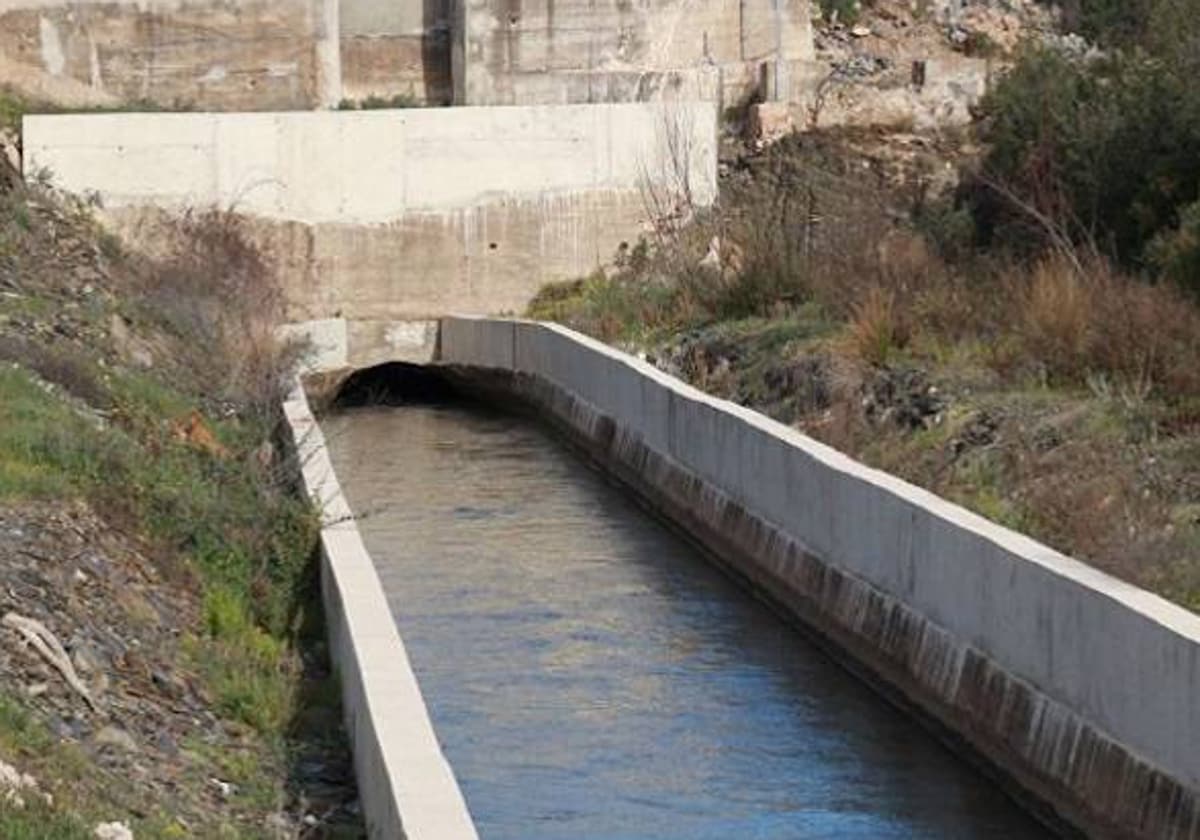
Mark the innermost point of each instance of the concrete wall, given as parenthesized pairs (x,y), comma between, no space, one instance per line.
(405,784)
(396,49)
(395,214)
(534,51)
(249,54)
(230,55)
(1078,686)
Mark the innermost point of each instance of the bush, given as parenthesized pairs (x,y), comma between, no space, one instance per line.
(1075,325)
(1109,22)
(1097,151)
(1176,253)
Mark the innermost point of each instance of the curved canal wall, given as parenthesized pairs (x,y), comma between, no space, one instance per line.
(1076,686)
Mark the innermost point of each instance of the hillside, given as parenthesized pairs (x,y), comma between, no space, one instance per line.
(163,669)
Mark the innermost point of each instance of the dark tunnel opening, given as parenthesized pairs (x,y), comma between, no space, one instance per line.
(396,383)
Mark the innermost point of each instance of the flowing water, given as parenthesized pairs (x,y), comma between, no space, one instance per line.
(591,676)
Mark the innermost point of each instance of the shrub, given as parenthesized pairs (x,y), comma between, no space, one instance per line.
(878,327)
(1095,151)
(1075,325)
(1176,253)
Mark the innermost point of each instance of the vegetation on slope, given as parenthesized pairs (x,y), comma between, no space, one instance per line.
(1043,387)
(149,520)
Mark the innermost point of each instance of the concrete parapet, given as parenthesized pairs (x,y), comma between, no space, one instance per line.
(405,784)
(1074,685)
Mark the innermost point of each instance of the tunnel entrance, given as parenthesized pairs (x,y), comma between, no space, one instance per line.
(396,384)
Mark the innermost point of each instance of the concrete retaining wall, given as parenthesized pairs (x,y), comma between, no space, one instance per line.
(397,214)
(1079,687)
(405,785)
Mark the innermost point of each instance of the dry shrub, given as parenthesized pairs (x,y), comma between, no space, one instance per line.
(215,291)
(1056,316)
(878,327)
(1075,324)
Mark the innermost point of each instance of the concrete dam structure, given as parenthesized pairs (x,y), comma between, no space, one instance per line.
(303,54)
(377,222)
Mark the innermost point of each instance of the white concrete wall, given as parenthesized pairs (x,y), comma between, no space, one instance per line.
(405,784)
(373,166)
(1123,660)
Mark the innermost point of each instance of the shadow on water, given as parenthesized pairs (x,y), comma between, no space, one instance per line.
(396,384)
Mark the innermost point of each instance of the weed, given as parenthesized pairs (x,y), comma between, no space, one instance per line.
(877,329)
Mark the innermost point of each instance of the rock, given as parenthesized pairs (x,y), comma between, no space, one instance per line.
(861,31)
(226,789)
(113,831)
(903,397)
(128,346)
(115,737)
(769,121)
(13,782)
(10,160)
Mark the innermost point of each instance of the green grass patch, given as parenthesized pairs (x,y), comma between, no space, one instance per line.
(39,821)
(250,672)
(250,540)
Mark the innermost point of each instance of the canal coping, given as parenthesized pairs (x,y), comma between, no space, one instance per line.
(406,786)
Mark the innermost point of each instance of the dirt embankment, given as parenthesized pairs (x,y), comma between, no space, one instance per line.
(162,671)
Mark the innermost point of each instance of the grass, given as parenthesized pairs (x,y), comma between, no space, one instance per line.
(38,821)
(250,671)
(76,423)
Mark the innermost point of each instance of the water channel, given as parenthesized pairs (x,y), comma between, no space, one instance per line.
(590,675)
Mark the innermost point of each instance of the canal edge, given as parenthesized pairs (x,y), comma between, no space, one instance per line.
(406,786)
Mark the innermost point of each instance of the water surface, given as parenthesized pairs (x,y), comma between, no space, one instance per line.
(591,676)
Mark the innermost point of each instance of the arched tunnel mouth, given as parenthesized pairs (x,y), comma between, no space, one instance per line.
(396,384)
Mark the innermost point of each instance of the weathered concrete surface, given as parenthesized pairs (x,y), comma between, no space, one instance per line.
(1079,687)
(373,166)
(338,345)
(510,52)
(299,54)
(397,214)
(249,54)
(405,784)
(396,49)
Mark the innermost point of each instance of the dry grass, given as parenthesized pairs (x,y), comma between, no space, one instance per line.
(878,327)
(212,289)
(1076,325)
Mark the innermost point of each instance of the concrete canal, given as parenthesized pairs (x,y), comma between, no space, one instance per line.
(591,675)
